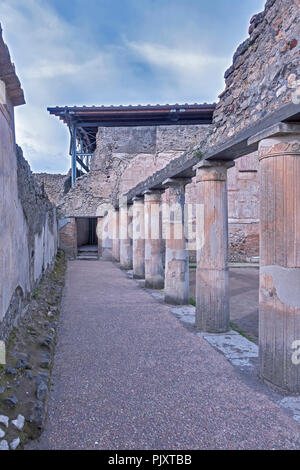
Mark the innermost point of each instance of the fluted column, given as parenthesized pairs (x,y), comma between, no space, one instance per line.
(138,248)
(279,291)
(125,235)
(107,237)
(212,278)
(154,271)
(177,256)
(115,236)
(99,235)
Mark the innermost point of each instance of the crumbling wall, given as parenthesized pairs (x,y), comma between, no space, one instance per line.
(55,185)
(265,73)
(28,227)
(124,156)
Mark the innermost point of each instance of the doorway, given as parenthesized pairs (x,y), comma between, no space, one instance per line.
(87,240)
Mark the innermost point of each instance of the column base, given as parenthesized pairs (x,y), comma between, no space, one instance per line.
(126,267)
(154,283)
(279,348)
(138,276)
(173,300)
(106,254)
(212,301)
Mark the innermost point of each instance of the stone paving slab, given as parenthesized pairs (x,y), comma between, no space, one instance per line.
(128,374)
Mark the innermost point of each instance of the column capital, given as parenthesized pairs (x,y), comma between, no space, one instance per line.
(212,170)
(214,164)
(136,199)
(176,182)
(153,194)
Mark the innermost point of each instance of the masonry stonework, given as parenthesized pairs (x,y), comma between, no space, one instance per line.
(265,71)
(28,219)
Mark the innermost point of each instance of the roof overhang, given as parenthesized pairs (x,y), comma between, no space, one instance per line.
(127,116)
(8,75)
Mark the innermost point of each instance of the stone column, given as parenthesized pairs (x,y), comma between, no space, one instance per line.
(177,256)
(125,236)
(107,237)
(154,271)
(279,291)
(138,238)
(212,278)
(115,236)
(99,235)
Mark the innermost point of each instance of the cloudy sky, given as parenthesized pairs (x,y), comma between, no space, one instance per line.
(96,52)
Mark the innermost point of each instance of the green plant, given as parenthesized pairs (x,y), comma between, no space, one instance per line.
(241,332)
(198,154)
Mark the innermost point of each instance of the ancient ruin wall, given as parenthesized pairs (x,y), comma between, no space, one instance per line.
(243,209)
(124,156)
(55,185)
(265,74)
(28,227)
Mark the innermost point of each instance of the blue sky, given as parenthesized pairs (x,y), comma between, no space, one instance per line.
(96,52)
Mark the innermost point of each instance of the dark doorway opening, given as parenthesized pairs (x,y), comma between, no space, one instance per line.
(87,240)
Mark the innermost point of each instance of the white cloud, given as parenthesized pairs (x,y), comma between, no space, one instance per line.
(185,72)
(58,64)
(182,60)
(53,61)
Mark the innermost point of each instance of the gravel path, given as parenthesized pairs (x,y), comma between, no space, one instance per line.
(129,375)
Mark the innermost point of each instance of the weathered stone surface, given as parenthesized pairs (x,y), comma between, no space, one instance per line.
(10,401)
(4,420)
(41,390)
(15,443)
(4,445)
(212,281)
(28,228)
(138,242)
(177,257)
(279,300)
(124,156)
(258,80)
(116,235)
(154,271)
(54,185)
(19,422)
(125,214)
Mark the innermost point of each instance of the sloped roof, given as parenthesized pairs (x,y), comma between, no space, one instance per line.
(8,75)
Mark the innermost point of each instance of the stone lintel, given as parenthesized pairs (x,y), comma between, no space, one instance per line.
(153,191)
(214,163)
(138,198)
(279,129)
(176,182)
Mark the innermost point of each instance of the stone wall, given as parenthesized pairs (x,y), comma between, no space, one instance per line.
(243,209)
(124,156)
(55,185)
(28,226)
(265,73)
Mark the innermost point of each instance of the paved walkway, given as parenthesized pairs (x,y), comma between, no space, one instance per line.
(129,375)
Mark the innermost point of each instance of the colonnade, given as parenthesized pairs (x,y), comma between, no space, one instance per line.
(279,291)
